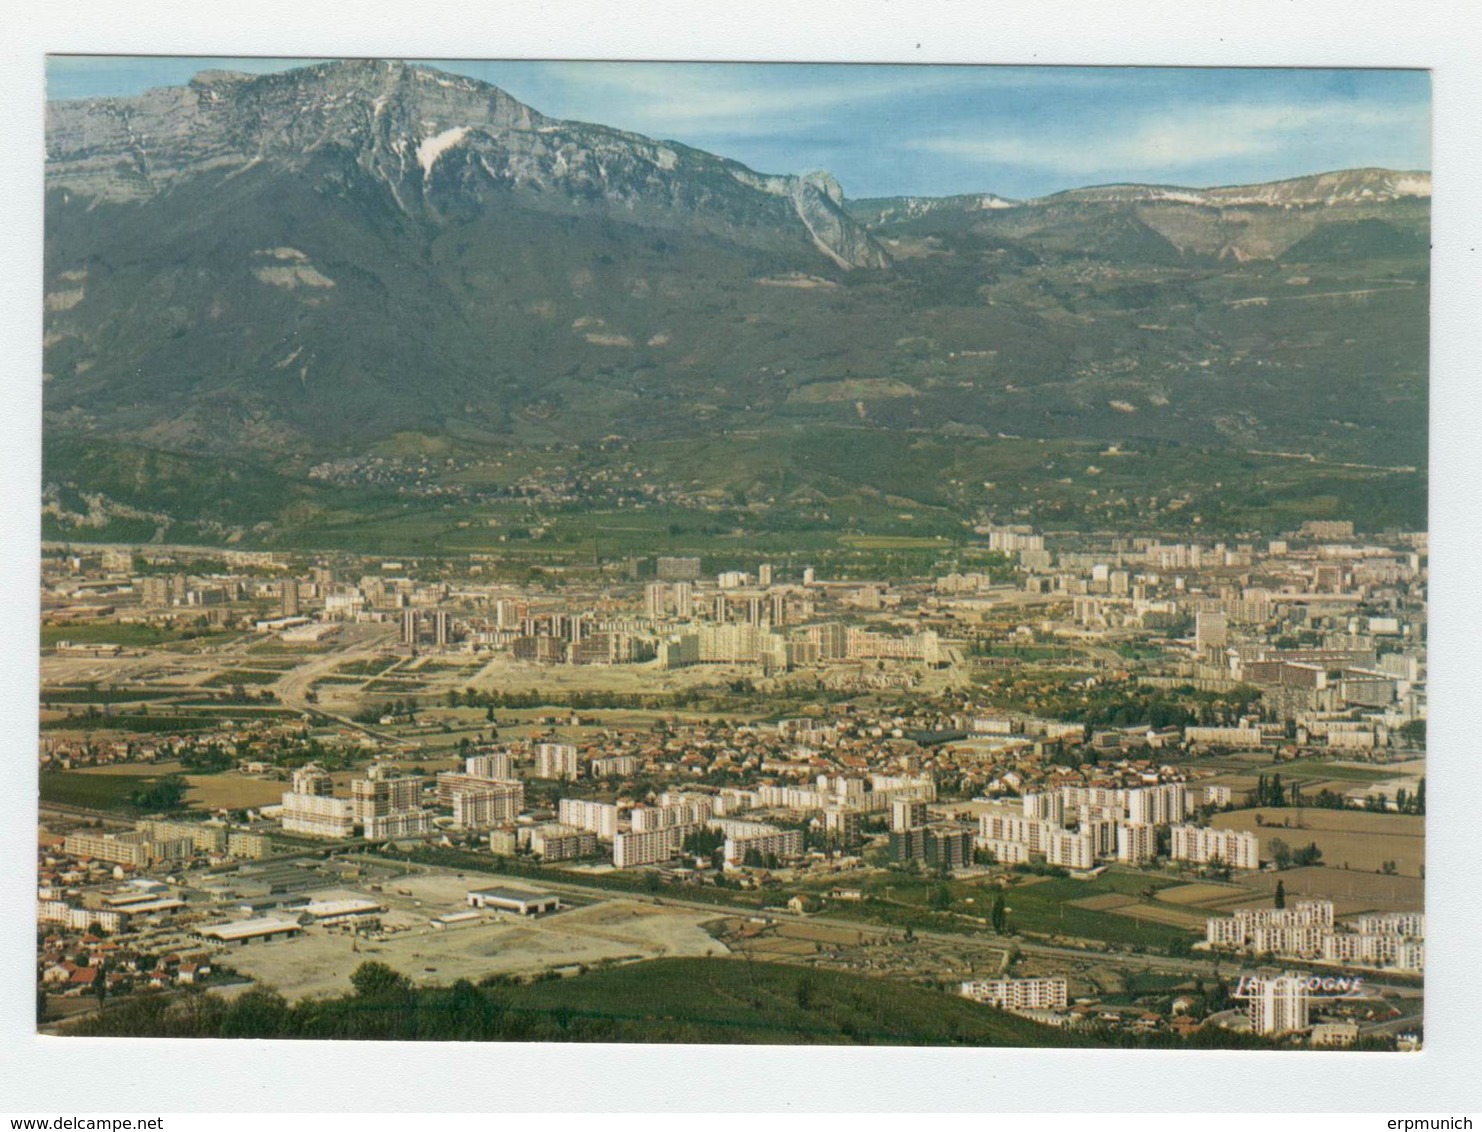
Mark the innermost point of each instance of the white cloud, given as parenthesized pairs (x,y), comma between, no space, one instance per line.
(1181,138)
(755,99)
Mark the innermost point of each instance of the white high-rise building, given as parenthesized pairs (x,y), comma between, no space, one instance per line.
(600,818)
(1278,1005)
(1210,630)
(312,778)
(907,813)
(648,847)
(1049,806)
(1137,843)
(1019,994)
(1157,805)
(495,765)
(1202,846)
(674,812)
(774,843)
(556,760)
(479,803)
(317,815)
(382,792)
(1070,850)
(655,600)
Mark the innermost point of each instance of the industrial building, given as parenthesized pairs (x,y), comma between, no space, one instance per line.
(513,900)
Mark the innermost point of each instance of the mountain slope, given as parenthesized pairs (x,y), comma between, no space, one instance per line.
(438,143)
(360,257)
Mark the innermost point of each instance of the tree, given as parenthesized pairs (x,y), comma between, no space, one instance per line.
(804,993)
(376,980)
(1309,854)
(999,915)
(261,1012)
(1281,853)
(168,793)
(1280,894)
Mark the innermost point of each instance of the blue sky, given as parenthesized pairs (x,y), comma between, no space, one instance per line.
(933,130)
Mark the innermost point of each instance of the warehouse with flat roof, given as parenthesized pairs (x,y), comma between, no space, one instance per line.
(513,900)
(243,931)
(337,911)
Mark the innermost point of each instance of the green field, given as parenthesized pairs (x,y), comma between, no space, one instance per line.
(120,633)
(1044,907)
(93,791)
(101,695)
(1035,905)
(92,720)
(1319,769)
(367,667)
(241,676)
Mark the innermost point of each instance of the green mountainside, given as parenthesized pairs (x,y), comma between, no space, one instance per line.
(256,276)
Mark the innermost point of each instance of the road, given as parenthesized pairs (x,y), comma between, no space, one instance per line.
(293,688)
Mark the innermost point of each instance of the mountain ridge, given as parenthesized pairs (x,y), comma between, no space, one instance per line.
(130,149)
(291,268)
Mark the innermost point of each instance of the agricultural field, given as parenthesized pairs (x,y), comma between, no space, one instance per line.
(1359,840)
(1351,891)
(133,770)
(127,634)
(244,676)
(94,791)
(1302,770)
(1052,907)
(1111,908)
(276,648)
(373,667)
(102,695)
(397,684)
(232,791)
(1197,894)
(138,724)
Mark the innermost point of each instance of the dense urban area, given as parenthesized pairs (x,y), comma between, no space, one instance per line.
(1056,788)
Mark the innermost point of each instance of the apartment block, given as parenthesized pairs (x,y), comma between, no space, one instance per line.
(556,760)
(601,818)
(556,841)
(1019,994)
(648,847)
(481,804)
(1202,846)
(317,815)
